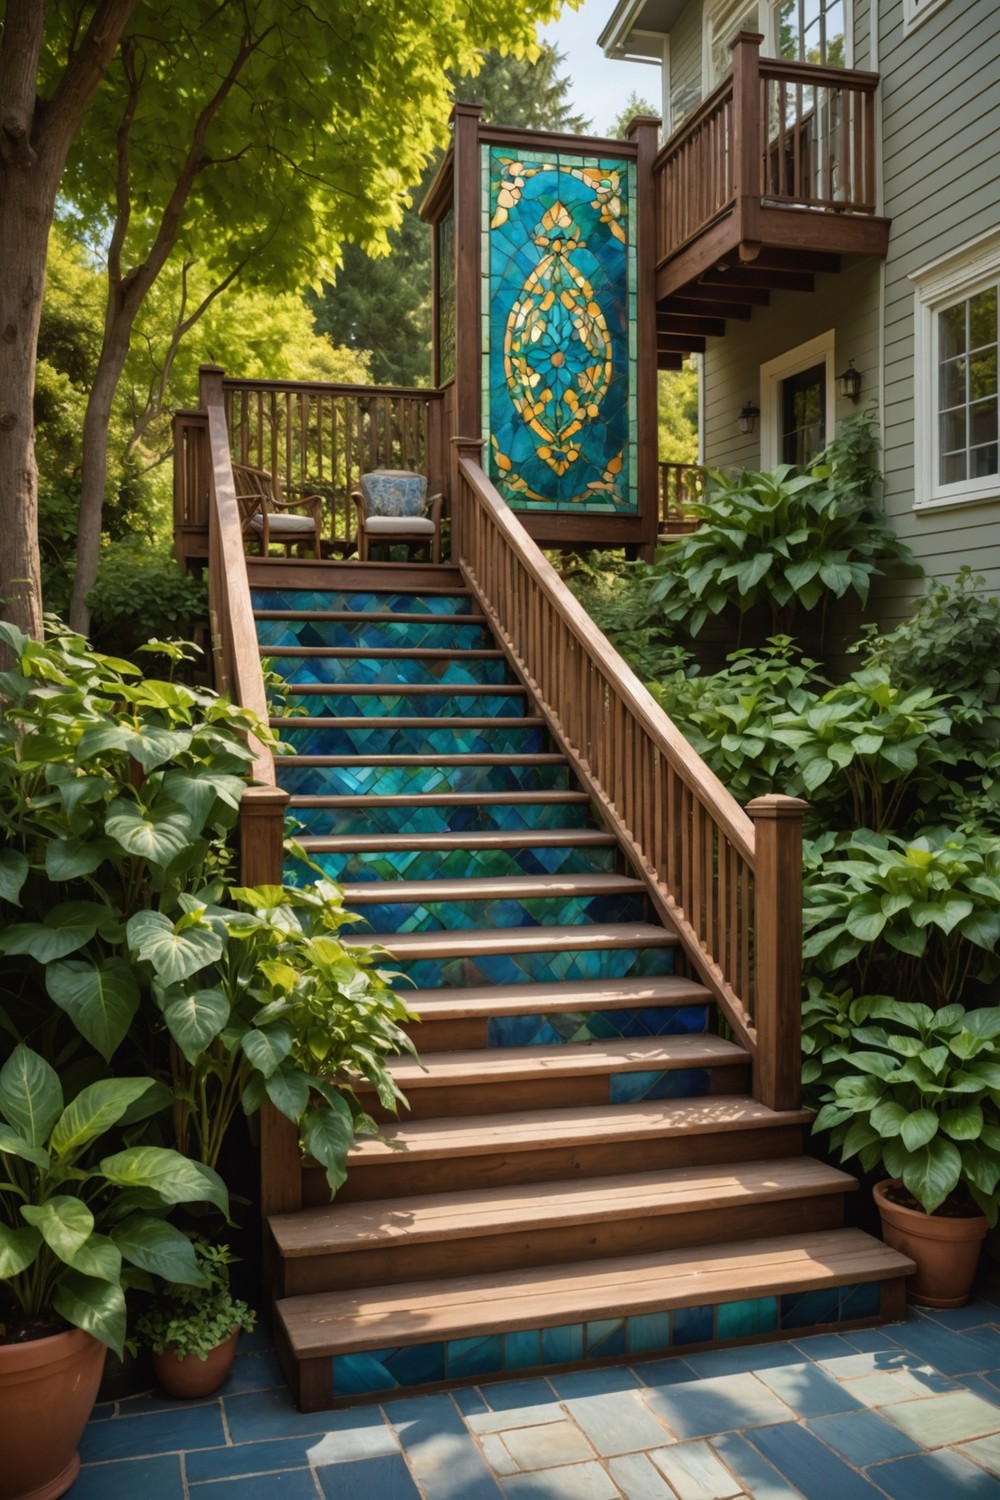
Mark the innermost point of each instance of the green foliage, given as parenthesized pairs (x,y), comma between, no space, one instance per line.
(910,1089)
(793,540)
(634,105)
(914,917)
(79,1225)
(613,594)
(194,1320)
(142,592)
(677,414)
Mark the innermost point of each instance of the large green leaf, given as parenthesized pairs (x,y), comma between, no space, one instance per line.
(327,1134)
(99,1257)
(288,1090)
(268,1048)
(888,1118)
(101,999)
(98,1307)
(158,1247)
(66,928)
(174,955)
(195,1019)
(31,1095)
(67,858)
(94,1110)
(918,1128)
(965,1124)
(13,874)
(64,1223)
(157,834)
(18,1248)
(12,1144)
(932,1172)
(171,1176)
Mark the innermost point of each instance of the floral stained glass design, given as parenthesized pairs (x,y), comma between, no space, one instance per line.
(559,331)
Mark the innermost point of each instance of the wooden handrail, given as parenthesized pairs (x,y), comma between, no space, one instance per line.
(693,844)
(709,106)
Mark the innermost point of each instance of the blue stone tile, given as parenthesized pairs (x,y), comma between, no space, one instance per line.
(272,1414)
(803,1309)
(469,1401)
(860,1301)
(577,1383)
(560,1345)
(443,1457)
(870,1340)
(759,1478)
(657,1372)
(348,1436)
(618,1422)
(809,1465)
(953,1353)
(723,1403)
(605,1337)
(372,1479)
(692,1325)
(746,1358)
(742,1320)
(522,1349)
(254,1372)
(808,1390)
(290,1484)
(973,1315)
(862,1437)
(150,1478)
(648,1332)
(825,1346)
(587,1481)
(516,1395)
(476,1356)
(934,1476)
(983,1385)
(184,1427)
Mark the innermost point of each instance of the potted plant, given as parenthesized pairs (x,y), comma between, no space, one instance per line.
(79,1224)
(193,1330)
(915,1092)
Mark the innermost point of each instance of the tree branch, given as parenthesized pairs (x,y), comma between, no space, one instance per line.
(61,115)
(123,198)
(20,49)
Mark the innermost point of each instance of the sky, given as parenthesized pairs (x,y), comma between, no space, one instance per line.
(600,87)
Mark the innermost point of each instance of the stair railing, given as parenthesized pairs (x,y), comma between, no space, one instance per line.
(730,883)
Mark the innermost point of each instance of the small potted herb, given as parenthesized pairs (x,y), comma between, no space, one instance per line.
(193,1331)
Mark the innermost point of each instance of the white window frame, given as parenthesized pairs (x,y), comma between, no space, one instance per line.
(818,351)
(715,10)
(916,12)
(937,287)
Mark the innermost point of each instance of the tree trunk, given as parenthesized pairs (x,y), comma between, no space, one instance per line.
(26,203)
(94,468)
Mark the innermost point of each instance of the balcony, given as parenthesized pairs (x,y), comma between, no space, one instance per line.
(770,181)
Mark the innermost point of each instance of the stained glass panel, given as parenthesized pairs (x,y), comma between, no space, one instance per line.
(558,351)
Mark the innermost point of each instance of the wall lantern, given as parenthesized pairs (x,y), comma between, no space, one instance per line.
(747,419)
(849,383)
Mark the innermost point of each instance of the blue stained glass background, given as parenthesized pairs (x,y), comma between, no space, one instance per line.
(511,256)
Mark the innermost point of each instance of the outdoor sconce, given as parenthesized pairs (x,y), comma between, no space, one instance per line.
(747,419)
(849,383)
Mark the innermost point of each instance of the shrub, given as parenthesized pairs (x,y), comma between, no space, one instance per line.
(951,642)
(141,593)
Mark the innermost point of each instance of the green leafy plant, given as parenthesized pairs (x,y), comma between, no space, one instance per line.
(78,1228)
(914,917)
(613,592)
(915,1091)
(950,643)
(141,592)
(194,1320)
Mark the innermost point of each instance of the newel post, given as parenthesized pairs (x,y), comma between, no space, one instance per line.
(210,386)
(471,449)
(778,949)
(747,140)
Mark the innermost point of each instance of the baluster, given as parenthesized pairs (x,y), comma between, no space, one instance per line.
(778,948)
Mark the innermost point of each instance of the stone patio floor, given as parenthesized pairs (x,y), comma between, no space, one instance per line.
(910,1411)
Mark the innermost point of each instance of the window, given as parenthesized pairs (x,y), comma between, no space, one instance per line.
(811,31)
(724,24)
(956,413)
(796,403)
(915,12)
(803,415)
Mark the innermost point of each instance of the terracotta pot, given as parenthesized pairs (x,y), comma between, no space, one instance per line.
(47,1391)
(946,1250)
(190,1377)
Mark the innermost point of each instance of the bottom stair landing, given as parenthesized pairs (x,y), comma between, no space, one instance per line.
(583,1175)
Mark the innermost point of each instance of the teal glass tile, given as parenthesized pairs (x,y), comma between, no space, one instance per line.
(475,1356)
(393,671)
(361,601)
(577,1026)
(419,780)
(361,1374)
(739,1320)
(862,1301)
(604,1337)
(562,1345)
(676,1083)
(524,968)
(417,1364)
(691,1325)
(522,1349)
(304,738)
(802,1309)
(314,701)
(648,1332)
(449,916)
(463,864)
(456,818)
(436,633)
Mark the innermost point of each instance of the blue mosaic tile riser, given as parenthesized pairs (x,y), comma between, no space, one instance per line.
(596,1026)
(445,740)
(482,817)
(407,706)
(677,1083)
(439,634)
(498,1354)
(388,781)
(390,670)
(407,604)
(455,916)
(535,968)
(460,864)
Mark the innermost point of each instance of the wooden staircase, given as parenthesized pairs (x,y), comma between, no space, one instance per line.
(583,1174)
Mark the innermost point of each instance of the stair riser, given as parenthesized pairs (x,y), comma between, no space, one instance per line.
(307,739)
(469,1033)
(459,916)
(361,602)
(393,1264)
(435,705)
(480,818)
(548,1091)
(359,1378)
(390,670)
(398,1175)
(466,864)
(374,634)
(418,781)
(535,968)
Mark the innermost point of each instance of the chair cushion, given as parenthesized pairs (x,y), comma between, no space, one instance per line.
(394,492)
(399,526)
(278,523)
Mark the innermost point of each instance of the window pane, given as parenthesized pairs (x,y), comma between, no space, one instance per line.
(953,468)
(983,461)
(952,388)
(952,327)
(787,30)
(983,423)
(983,374)
(983,319)
(953,430)
(836,34)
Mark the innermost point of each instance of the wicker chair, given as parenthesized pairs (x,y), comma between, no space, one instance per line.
(393,506)
(270,517)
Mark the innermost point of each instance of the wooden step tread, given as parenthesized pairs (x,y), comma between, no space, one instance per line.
(406,617)
(423,1312)
(496,888)
(392,721)
(340,1228)
(549,999)
(429,761)
(385,653)
(437,799)
(636,1055)
(409,689)
(517,838)
(471,942)
(526,1130)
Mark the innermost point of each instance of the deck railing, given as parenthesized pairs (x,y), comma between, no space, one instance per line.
(730,883)
(773,134)
(679,485)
